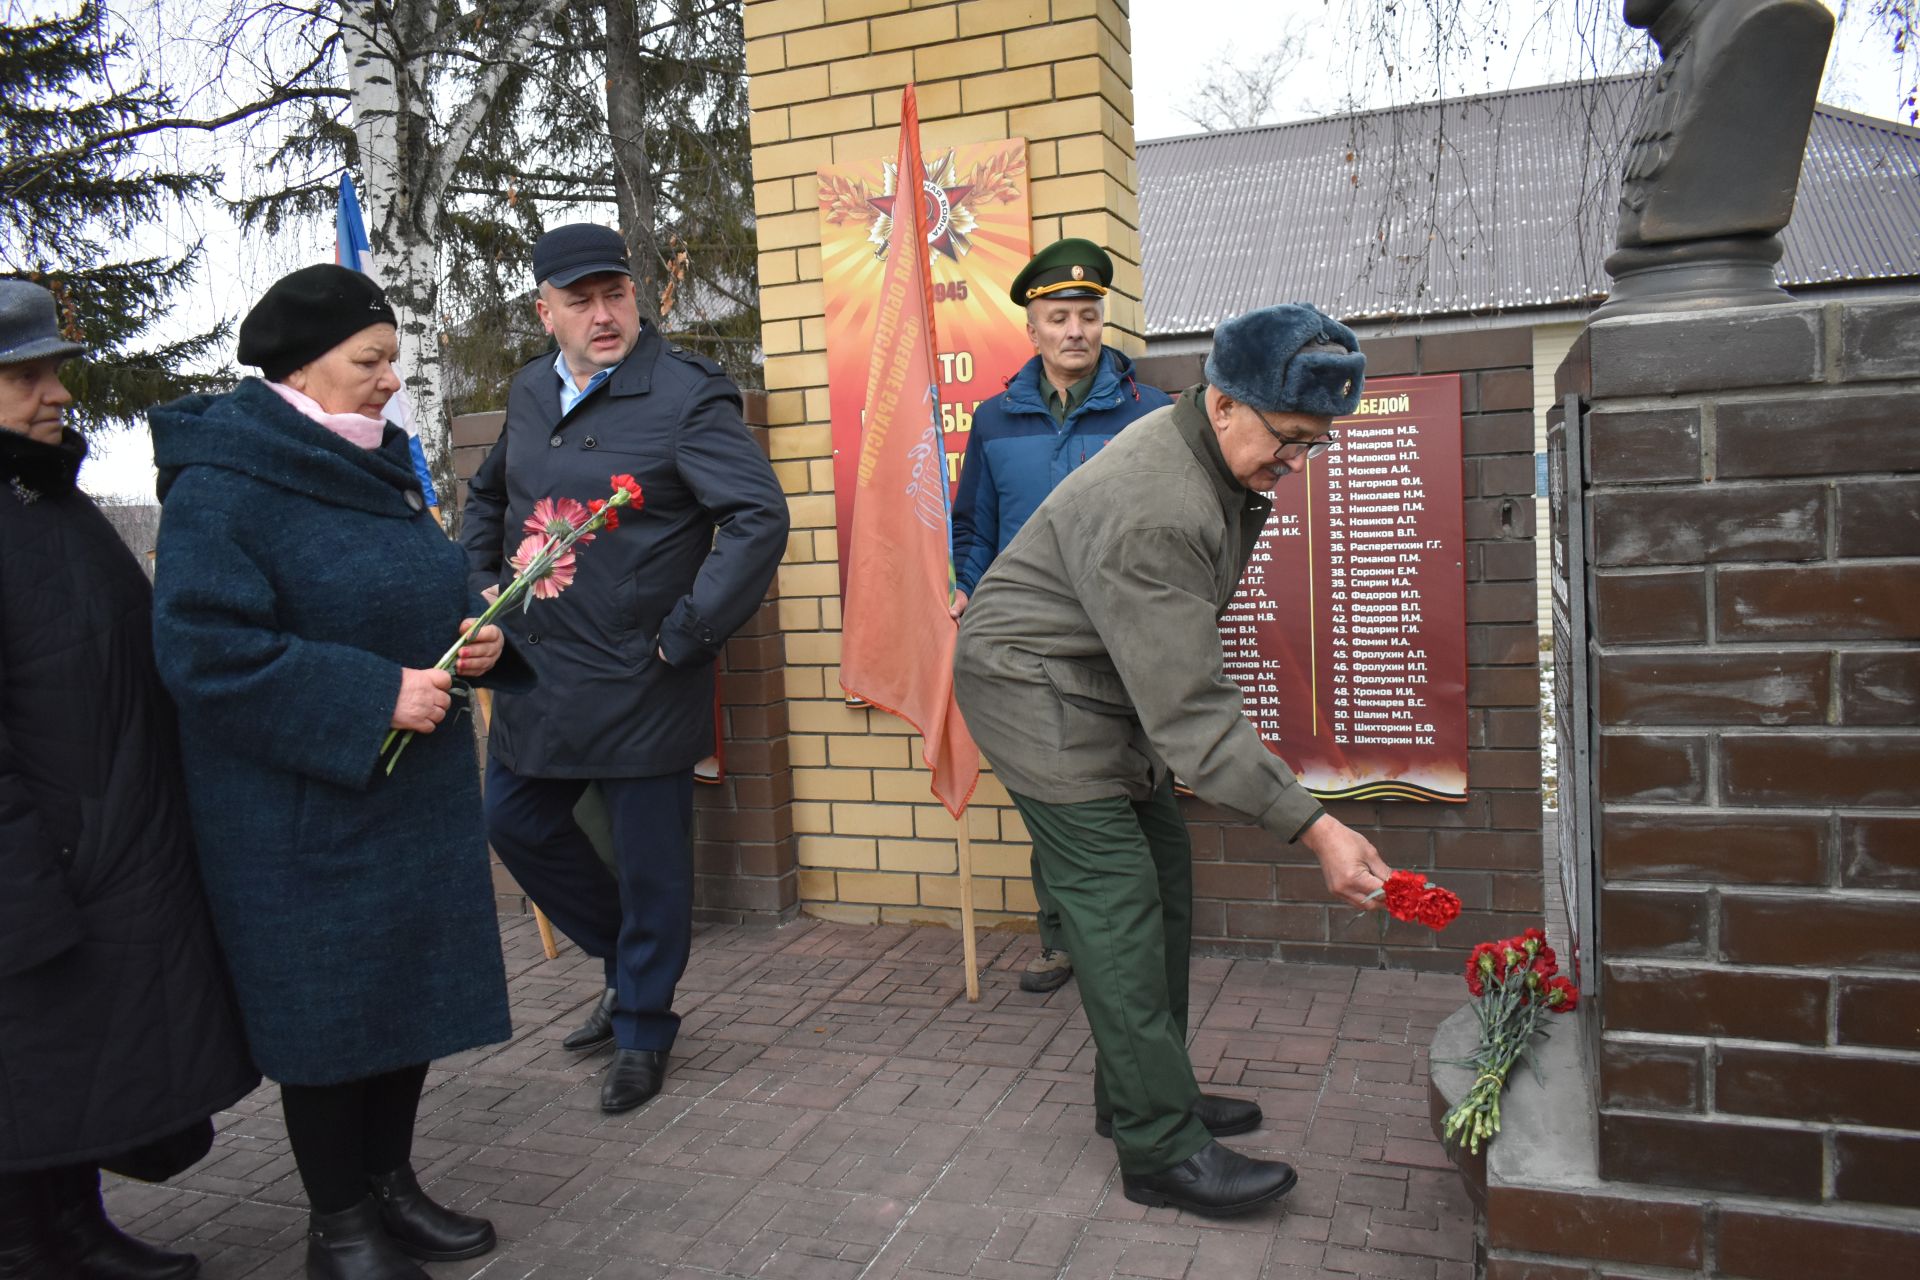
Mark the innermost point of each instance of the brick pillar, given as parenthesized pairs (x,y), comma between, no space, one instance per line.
(743,847)
(825,82)
(1755,552)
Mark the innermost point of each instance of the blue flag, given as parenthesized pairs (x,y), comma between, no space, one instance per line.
(351,248)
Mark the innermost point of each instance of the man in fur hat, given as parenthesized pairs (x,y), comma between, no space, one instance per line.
(1061,408)
(1089,669)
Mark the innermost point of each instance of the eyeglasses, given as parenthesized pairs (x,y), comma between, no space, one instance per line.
(1313,448)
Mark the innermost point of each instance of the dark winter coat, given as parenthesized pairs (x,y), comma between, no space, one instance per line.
(117,1024)
(297,574)
(678,576)
(1017,454)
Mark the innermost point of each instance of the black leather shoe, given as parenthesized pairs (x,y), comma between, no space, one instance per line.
(352,1245)
(1222,1115)
(95,1249)
(422,1228)
(597,1031)
(1214,1182)
(633,1076)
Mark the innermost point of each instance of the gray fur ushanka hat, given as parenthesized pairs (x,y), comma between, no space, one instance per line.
(1290,358)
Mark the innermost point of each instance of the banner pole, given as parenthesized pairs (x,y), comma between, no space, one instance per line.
(966,910)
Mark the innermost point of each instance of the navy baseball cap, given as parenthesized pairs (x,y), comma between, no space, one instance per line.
(566,254)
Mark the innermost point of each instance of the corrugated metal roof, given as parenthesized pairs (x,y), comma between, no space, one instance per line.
(1518,189)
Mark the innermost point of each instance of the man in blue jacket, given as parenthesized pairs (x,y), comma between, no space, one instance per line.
(1063,405)
(625,655)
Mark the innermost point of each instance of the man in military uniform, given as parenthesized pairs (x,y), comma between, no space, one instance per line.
(625,655)
(1057,411)
(1089,669)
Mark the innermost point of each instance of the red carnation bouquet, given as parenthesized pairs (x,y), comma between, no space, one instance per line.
(1412,898)
(1515,983)
(544,566)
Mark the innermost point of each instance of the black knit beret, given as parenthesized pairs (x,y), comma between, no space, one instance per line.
(304,315)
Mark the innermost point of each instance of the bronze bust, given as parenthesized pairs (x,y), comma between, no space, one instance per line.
(1714,157)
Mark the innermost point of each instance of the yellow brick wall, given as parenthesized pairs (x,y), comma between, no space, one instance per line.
(824,83)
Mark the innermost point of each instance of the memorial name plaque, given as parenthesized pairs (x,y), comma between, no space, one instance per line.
(1348,636)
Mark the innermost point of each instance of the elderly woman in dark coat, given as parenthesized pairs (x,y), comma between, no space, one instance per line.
(118,1032)
(302,594)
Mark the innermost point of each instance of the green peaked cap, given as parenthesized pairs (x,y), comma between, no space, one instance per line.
(1071,268)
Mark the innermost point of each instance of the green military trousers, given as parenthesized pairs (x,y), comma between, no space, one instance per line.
(1120,874)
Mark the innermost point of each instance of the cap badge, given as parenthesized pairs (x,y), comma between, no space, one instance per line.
(1079,272)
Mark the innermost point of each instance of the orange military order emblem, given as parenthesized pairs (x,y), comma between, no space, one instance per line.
(950,221)
(950,205)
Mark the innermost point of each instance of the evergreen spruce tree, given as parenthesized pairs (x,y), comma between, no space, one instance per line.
(75,191)
(635,116)
(564,109)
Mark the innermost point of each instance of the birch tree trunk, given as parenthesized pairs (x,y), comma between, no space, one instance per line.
(395,66)
(395,152)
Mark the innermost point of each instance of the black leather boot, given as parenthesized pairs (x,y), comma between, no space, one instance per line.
(1214,1182)
(96,1249)
(352,1245)
(597,1031)
(25,1251)
(422,1228)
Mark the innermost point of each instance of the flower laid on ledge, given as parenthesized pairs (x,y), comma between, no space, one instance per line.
(1515,983)
(543,566)
(1410,898)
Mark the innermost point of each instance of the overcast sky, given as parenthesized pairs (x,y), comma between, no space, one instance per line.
(1177,45)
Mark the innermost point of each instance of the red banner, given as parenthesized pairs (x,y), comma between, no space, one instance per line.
(1349,635)
(897,637)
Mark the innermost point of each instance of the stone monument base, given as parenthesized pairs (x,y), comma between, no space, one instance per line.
(1727,271)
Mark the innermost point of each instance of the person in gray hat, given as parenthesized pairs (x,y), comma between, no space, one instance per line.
(1089,669)
(626,656)
(32,349)
(119,1037)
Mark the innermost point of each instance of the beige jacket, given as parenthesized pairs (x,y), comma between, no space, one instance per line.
(1089,659)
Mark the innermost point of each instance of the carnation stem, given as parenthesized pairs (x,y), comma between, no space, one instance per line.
(522,583)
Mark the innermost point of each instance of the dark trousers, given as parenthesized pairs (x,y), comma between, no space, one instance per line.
(343,1134)
(1120,874)
(637,918)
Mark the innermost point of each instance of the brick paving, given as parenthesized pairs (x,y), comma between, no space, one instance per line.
(838,1111)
